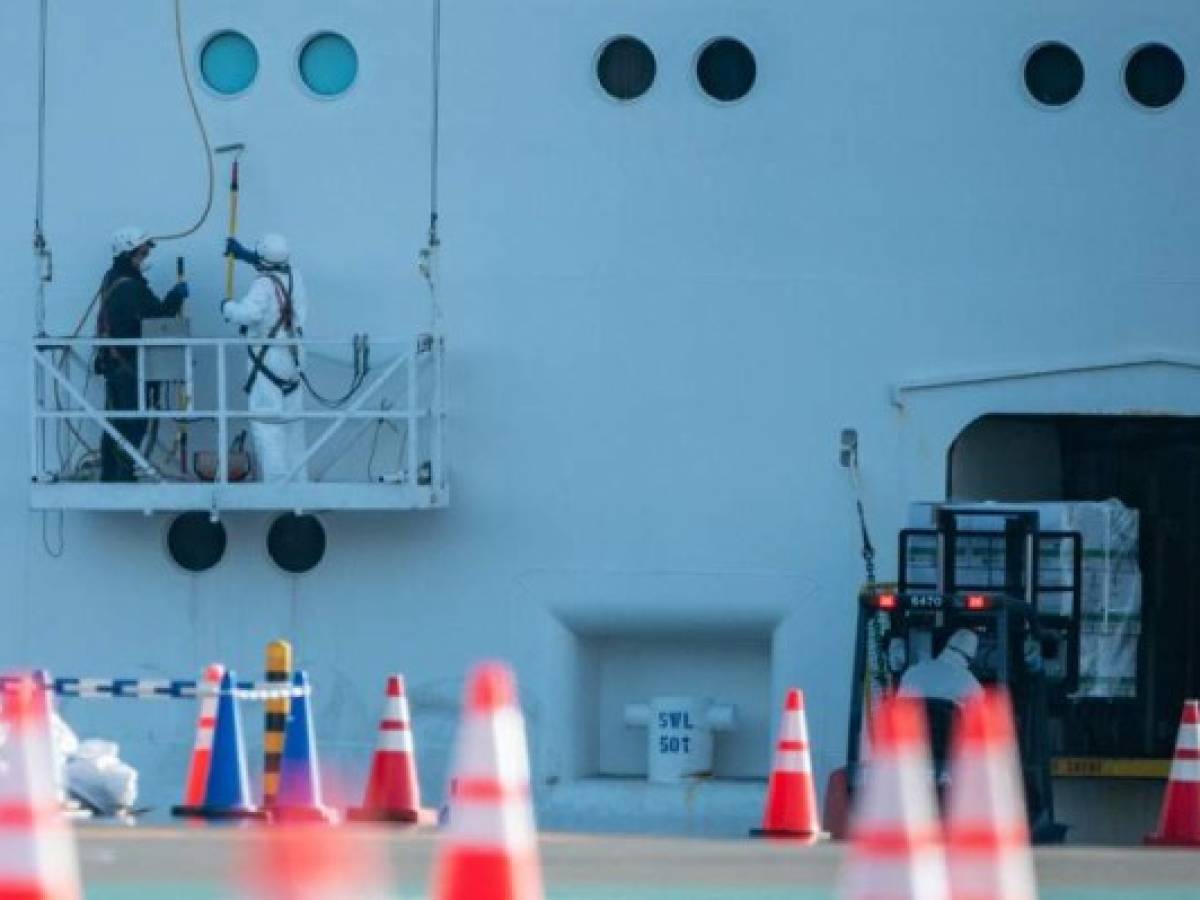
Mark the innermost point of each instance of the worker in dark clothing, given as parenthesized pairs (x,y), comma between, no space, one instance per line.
(125,301)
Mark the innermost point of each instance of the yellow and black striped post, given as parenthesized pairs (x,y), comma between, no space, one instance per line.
(279,670)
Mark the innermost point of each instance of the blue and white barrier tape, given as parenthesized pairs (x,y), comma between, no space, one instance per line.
(154,689)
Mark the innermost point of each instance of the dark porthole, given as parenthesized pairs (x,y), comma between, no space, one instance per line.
(1053,74)
(1154,76)
(296,543)
(626,68)
(195,542)
(726,70)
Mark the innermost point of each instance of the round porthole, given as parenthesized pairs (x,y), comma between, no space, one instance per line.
(296,543)
(726,69)
(625,68)
(328,64)
(1154,76)
(229,63)
(1053,74)
(195,542)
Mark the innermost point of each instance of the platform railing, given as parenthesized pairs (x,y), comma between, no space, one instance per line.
(403,386)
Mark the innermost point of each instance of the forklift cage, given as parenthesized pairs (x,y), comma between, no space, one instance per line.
(939,593)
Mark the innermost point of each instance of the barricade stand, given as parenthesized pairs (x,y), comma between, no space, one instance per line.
(275,716)
(224,751)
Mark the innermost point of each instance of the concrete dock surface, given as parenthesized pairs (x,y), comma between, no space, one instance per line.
(190,863)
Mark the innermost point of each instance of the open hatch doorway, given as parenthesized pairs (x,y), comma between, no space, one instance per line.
(1152,465)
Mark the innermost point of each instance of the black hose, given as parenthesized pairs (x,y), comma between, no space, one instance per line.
(362,367)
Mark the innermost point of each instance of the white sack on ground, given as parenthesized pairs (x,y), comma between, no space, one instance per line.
(97,776)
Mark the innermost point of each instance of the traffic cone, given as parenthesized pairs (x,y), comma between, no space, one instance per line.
(1179,822)
(37,849)
(896,843)
(299,795)
(393,791)
(197,775)
(303,862)
(489,848)
(43,697)
(987,831)
(791,807)
(227,794)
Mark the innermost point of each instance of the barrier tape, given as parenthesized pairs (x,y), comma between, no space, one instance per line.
(154,689)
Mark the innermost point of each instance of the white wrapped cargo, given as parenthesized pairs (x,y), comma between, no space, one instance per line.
(1111,588)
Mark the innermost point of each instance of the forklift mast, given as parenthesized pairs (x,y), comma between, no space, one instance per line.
(980,568)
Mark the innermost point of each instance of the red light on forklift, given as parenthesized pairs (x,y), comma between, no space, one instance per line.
(977,602)
(885,601)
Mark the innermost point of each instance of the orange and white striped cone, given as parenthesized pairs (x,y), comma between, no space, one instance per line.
(37,849)
(197,775)
(488,851)
(896,841)
(791,807)
(393,791)
(1179,821)
(308,862)
(987,832)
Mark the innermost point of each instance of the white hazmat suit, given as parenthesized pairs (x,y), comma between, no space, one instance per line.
(948,676)
(279,441)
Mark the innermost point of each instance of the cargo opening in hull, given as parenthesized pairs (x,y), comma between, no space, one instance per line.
(1151,465)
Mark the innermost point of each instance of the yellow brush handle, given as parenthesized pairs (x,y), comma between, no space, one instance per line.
(229,260)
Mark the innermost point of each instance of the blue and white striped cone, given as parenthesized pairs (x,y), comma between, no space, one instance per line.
(299,797)
(228,793)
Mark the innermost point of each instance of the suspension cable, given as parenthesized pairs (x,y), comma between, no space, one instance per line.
(40,201)
(41,247)
(435,120)
(428,257)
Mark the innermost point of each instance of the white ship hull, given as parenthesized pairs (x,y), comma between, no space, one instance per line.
(658,317)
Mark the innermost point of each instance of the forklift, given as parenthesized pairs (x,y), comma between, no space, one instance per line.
(1017,588)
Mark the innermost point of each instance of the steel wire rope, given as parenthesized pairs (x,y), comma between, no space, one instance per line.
(427,258)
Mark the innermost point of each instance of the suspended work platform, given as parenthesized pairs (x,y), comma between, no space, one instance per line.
(378,445)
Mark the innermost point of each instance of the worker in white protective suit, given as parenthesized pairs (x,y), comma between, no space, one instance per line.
(275,308)
(948,675)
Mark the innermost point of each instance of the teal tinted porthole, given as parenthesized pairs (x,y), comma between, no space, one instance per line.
(229,63)
(328,64)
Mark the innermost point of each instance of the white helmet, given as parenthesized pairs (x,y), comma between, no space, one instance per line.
(965,642)
(128,239)
(272,249)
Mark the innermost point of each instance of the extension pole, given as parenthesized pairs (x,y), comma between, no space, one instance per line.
(279,670)
(233,218)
